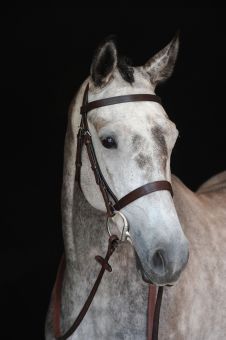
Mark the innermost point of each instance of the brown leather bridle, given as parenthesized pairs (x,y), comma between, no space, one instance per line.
(113,206)
(84,137)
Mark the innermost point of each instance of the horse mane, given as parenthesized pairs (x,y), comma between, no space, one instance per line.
(217,182)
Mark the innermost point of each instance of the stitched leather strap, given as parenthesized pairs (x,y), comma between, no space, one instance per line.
(84,137)
(106,191)
(119,99)
(155,330)
(112,245)
(154,305)
(57,297)
(151,310)
(142,191)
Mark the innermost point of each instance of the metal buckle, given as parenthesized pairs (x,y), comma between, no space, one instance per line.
(86,132)
(125,228)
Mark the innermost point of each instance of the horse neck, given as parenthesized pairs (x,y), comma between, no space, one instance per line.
(186,202)
(88,228)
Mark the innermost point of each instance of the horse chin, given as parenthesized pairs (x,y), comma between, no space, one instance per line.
(149,279)
(146,278)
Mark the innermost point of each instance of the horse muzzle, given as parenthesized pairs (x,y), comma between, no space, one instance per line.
(164,264)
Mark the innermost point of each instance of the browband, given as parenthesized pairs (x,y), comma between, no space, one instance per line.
(119,99)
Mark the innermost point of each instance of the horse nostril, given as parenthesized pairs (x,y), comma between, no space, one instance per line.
(158,262)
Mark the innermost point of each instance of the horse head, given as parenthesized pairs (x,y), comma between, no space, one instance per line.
(133,143)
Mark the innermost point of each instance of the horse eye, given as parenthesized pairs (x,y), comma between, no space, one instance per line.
(109,142)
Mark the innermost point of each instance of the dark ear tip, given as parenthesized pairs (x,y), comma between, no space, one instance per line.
(104,61)
(108,42)
(110,39)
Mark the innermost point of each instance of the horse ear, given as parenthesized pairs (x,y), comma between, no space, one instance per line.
(104,63)
(161,65)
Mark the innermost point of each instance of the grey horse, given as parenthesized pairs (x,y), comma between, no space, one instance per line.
(133,144)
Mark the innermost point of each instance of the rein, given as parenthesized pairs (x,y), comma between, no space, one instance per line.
(113,207)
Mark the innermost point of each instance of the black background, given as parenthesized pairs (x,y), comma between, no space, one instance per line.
(46,54)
